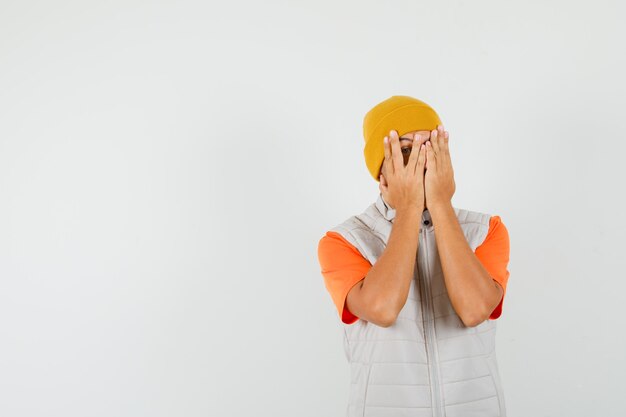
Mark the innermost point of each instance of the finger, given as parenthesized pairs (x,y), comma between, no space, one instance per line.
(444,145)
(421,159)
(421,145)
(387,151)
(434,140)
(412,163)
(431,158)
(441,134)
(396,153)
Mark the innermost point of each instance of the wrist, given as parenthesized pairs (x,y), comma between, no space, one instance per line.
(439,206)
(410,212)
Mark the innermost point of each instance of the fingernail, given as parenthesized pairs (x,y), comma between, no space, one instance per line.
(385,139)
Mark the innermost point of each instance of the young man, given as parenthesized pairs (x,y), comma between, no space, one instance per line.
(417,282)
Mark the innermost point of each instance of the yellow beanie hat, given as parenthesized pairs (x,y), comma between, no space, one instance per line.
(401,113)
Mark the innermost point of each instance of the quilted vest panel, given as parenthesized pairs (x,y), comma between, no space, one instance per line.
(428,363)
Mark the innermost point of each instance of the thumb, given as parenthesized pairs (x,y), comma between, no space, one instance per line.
(382,186)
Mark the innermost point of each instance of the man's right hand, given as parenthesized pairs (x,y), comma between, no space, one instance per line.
(403,185)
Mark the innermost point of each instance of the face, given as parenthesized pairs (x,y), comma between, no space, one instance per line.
(406,144)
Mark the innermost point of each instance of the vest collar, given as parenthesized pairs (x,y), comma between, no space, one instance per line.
(389,213)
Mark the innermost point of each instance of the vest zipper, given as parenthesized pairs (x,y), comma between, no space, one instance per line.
(429,315)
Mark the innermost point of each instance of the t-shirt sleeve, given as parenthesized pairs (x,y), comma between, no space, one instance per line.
(342,266)
(493,253)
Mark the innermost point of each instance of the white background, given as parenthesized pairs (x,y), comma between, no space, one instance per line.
(167,169)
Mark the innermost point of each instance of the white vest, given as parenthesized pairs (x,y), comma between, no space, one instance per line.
(428,363)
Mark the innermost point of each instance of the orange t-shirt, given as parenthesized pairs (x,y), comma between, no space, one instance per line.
(343,265)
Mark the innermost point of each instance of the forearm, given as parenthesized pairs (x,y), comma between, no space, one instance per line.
(470,288)
(388,281)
